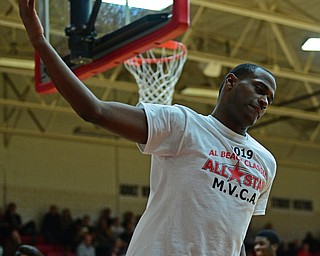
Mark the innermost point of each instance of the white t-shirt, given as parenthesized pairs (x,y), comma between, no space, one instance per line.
(206,182)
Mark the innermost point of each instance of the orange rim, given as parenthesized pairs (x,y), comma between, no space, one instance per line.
(172,45)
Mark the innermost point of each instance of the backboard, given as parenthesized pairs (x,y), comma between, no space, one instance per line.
(102,35)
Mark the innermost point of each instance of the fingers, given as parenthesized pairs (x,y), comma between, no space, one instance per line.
(23,4)
(26,6)
(31,4)
(31,20)
(23,7)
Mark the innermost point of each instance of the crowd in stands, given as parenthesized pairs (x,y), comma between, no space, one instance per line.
(59,234)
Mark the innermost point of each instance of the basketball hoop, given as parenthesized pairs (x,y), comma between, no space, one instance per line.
(157,71)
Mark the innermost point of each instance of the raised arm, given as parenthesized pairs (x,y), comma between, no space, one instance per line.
(125,120)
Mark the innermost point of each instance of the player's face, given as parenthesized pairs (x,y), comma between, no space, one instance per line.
(262,247)
(251,97)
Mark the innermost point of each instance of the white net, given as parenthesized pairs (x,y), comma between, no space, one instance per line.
(157,71)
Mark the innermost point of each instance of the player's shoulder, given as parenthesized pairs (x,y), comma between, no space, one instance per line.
(176,108)
(262,150)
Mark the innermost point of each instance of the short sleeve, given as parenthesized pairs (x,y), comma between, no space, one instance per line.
(166,127)
(262,202)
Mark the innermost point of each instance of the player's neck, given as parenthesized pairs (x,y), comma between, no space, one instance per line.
(225,120)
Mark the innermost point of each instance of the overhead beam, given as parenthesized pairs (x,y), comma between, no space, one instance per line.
(36,106)
(16,63)
(223,7)
(274,110)
(232,62)
(294,113)
(67,137)
(11,63)
(259,15)
(4,22)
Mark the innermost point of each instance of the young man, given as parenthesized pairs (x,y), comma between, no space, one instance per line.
(208,175)
(266,243)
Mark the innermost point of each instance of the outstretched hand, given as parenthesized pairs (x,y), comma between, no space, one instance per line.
(31,20)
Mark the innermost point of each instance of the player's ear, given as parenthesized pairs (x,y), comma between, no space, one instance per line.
(274,247)
(230,80)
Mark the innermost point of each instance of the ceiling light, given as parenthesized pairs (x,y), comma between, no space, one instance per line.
(312,44)
(143,4)
(200,92)
(212,69)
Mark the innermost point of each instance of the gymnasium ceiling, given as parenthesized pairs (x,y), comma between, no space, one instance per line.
(266,32)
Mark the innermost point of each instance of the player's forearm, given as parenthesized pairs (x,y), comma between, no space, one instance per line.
(71,88)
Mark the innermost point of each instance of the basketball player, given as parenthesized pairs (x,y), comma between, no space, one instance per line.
(266,243)
(208,175)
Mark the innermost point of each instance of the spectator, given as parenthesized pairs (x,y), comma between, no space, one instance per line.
(283,250)
(103,237)
(119,248)
(305,250)
(86,226)
(66,229)
(312,241)
(116,228)
(12,243)
(51,226)
(1,215)
(293,248)
(81,227)
(74,234)
(2,230)
(128,217)
(266,243)
(127,234)
(86,248)
(12,220)
(66,219)
(106,214)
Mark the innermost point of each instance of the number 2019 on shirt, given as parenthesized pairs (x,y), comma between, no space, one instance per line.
(243,153)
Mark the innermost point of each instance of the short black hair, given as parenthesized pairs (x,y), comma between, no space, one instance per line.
(271,235)
(242,70)
(246,69)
